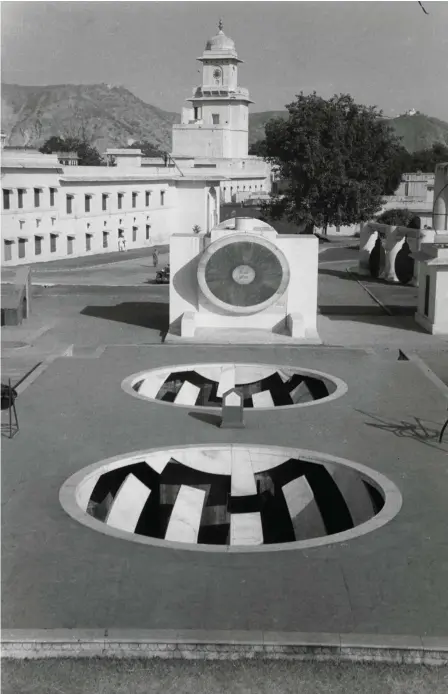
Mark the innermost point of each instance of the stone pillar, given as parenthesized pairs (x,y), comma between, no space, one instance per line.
(392,244)
(367,240)
(432,304)
(440,211)
(415,239)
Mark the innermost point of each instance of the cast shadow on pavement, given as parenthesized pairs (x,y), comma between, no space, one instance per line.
(418,429)
(145,314)
(207,418)
(400,321)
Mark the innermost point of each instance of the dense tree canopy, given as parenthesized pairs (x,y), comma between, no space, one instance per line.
(336,156)
(87,154)
(258,148)
(426,160)
(400,217)
(148,149)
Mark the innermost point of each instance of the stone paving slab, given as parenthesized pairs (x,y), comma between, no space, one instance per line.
(437,362)
(59,574)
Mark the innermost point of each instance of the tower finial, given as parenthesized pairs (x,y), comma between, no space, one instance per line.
(220,24)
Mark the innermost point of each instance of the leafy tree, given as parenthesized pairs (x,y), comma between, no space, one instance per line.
(258,148)
(400,164)
(400,217)
(148,149)
(425,160)
(336,156)
(87,154)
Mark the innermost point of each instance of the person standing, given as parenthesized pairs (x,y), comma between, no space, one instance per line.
(155,257)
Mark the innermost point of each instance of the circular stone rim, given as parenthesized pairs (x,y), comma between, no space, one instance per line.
(393,502)
(239,238)
(341,387)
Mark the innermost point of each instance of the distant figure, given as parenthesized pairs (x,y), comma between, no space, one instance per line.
(120,243)
(155,258)
(124,243)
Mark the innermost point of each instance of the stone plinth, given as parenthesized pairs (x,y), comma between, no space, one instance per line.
(243,281)
(432,306)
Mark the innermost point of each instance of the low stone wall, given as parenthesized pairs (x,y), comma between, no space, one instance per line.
(16,298)
(386,251)
(223,645)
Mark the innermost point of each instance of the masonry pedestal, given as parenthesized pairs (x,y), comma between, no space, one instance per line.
(243,283)
(432,306)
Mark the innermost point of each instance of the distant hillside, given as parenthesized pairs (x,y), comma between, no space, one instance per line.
(257,122)
(417,132)
(112,116)
(420,131)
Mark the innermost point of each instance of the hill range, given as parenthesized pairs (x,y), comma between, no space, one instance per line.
(111,116)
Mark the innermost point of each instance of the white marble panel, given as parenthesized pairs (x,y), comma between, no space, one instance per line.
(263,459)
(159,460)
(263,399)
(233,400)
(213,460)
(354,491)
(211,372)
(128,504)
(85,489)
(249,374)
(286,374)
(153,383)
(298,494)
(186,515)
(187,394)
(243,480)
(301,394)
(226,380)
(246,529)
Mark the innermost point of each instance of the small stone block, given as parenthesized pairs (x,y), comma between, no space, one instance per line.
(187,325)
(232,410)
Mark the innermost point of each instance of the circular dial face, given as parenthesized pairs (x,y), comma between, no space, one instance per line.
(243,274)
(217,74)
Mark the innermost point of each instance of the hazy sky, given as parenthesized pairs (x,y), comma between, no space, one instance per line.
(389,54)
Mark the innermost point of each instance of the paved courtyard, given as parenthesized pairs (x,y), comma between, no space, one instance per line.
(60,574)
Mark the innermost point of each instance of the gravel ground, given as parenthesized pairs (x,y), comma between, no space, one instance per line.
(212,677)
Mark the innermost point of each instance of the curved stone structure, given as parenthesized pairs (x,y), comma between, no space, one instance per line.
(440,210)
(243,273)
(393,239)
(263,386)
(243,283)
(231,497)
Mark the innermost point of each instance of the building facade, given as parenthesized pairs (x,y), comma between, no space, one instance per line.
(415,193)
(51,211)
(214,132)
(53,208)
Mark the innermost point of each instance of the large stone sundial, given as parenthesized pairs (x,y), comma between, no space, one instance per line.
(243,273)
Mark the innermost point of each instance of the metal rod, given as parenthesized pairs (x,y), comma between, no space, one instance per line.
(26,375)
(10,408)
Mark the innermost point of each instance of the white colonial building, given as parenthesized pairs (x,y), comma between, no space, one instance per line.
(53,209)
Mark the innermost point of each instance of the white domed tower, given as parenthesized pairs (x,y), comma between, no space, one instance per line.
(217,122)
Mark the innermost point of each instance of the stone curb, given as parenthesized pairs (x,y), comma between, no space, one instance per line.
(222,645)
